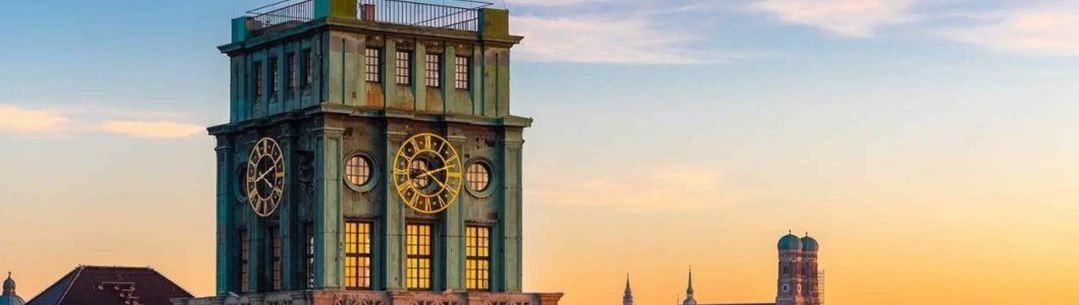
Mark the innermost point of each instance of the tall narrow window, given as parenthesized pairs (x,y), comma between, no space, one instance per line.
(433,70)
(273,77)
(357,254)
(373,65)
(308,65)
(290,72)
(245,251)
(275,248)
(461,72)
(258,81)
(404,67)
(477,257)
(418,256)
(309,254)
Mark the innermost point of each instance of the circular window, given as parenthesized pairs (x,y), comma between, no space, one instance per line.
(359,172)
(241,183)
(421,179)
(478,176)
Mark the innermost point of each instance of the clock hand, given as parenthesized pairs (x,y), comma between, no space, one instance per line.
(263,175)
(428,173)
(444,186)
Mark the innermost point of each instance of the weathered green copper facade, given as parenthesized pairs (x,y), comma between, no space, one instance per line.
(341,114)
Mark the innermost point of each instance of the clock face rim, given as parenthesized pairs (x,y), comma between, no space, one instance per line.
(408,183)
(271,201)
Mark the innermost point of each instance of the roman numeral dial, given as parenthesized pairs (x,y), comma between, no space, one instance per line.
(427,173)
(265,177)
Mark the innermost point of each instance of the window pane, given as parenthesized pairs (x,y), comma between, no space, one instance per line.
(461,73)
(373,63)
(477,245)
(275,246)
(433,69)
(418,256)
(404,67)
(357,254)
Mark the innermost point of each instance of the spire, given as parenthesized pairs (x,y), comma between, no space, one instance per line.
(627,297)
(689,290)
(9,285)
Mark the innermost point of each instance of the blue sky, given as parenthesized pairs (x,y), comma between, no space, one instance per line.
(709,125)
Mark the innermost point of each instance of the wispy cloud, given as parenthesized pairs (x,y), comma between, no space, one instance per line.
(14,119)
(552,2)
(54,122)
(152,130)
(846,18)
(594,39)
(667,188)
(1043,31)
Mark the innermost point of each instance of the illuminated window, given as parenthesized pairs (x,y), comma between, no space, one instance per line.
(275,246)
(273,77)
(357,170)
(290,72)
(460,74)
(418,256)
(308,64)
(309,253)
(245,248)
(433,70)
(357,254)
(478,176)
(258,81)
(478,257)
(373,64)
(404,67)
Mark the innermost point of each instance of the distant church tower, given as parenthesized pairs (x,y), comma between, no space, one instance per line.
(790,278)
(797,282)
(810,286)
(9,297)
(627,296)
(689,291)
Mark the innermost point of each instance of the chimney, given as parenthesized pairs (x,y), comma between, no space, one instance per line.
(367,12)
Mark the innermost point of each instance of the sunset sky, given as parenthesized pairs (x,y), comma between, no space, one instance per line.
(932,147)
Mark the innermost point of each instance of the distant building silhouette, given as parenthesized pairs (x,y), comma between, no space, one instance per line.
(798,283)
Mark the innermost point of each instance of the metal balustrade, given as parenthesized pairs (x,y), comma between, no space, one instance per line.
(461,15)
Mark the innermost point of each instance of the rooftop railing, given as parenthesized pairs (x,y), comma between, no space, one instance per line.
(283,12)
(462,15)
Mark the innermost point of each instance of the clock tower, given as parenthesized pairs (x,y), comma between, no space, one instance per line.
(370,157)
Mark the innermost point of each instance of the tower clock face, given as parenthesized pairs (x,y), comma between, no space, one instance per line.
(427,173)
(265,177)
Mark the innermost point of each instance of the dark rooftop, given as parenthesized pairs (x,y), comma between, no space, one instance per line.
(94,285)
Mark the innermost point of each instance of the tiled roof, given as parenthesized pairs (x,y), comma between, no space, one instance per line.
(92,285)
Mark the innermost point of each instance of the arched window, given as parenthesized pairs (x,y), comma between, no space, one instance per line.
(786,270)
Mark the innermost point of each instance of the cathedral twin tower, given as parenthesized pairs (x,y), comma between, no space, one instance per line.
(798,282)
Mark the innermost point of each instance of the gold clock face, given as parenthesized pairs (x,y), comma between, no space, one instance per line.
(265,177)
(427,172)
